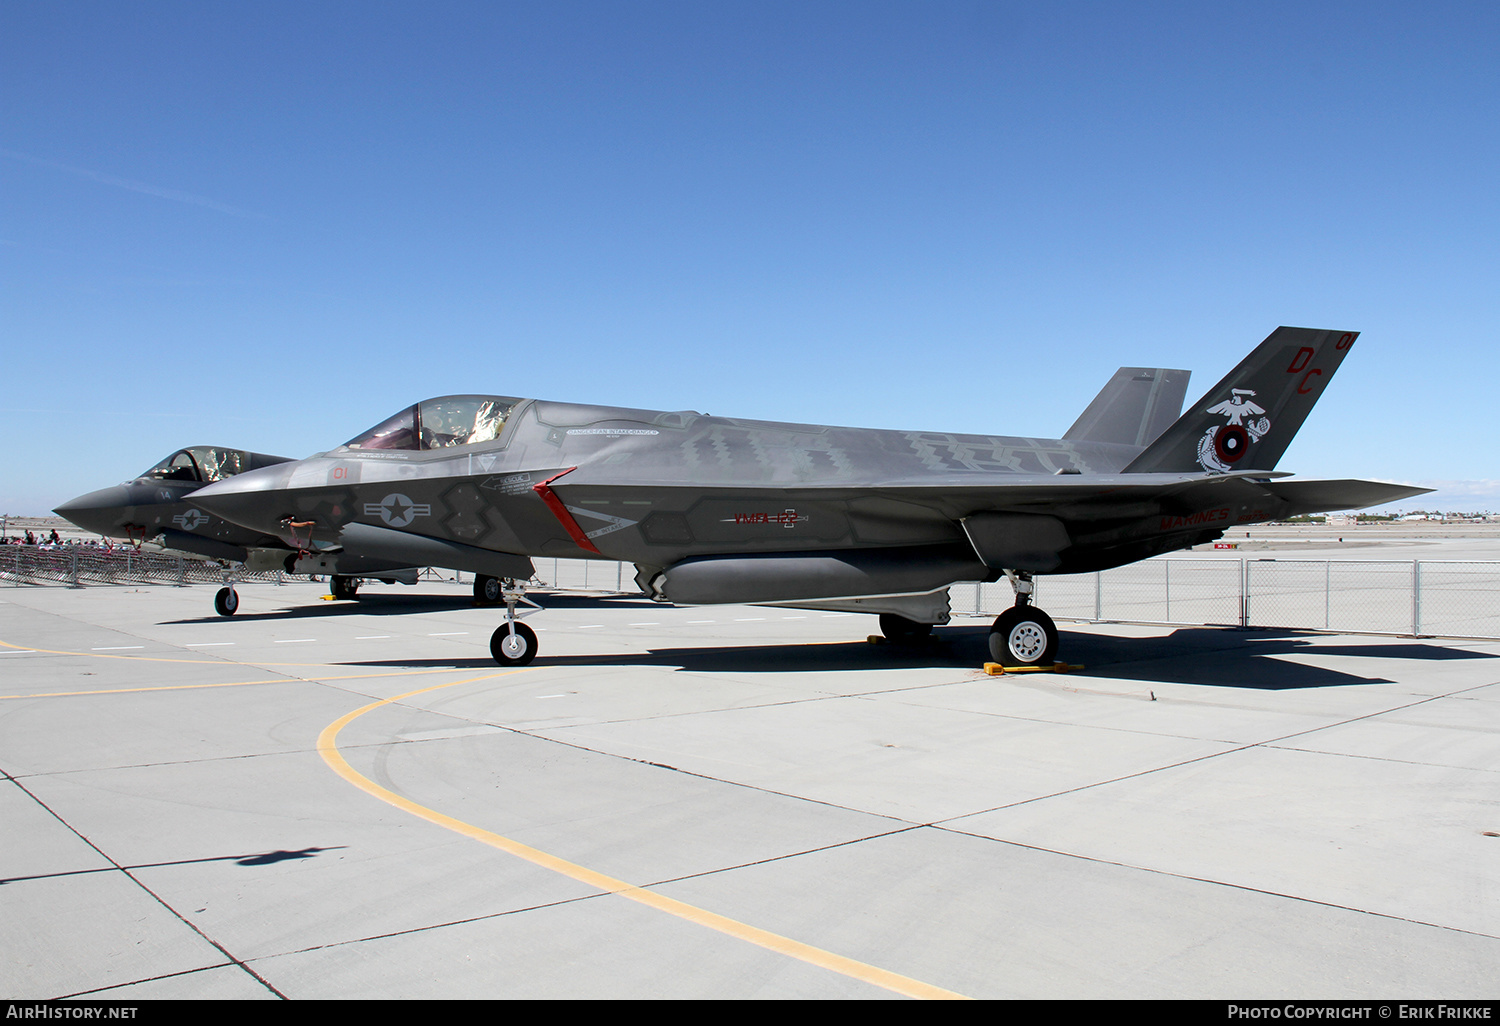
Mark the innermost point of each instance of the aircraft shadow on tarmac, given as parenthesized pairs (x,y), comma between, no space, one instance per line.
(790,657)
(1208,656)
(264,858)
(1237,658)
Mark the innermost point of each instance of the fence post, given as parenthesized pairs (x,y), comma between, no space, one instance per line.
(1244,593)
(74,550)
(1098,595)
(1416,597)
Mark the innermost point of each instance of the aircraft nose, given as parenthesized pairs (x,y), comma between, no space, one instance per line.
(102,512)
(255,499)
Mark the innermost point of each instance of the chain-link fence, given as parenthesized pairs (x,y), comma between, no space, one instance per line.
(82,565)
(85,565)
(1427,597)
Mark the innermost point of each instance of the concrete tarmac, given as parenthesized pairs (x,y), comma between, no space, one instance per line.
(320,799)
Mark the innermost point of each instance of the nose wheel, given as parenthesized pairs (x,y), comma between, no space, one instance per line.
(228,600)
(514,643)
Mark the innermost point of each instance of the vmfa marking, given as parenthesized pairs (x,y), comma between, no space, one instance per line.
(1222,447)
(397,510)
(786,518)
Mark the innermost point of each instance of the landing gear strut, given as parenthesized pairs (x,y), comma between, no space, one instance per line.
(1023,635)
(513,643)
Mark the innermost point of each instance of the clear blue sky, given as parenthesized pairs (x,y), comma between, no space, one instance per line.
(271,225)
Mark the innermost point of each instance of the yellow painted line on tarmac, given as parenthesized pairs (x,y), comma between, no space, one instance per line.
(328,749)
(234,683)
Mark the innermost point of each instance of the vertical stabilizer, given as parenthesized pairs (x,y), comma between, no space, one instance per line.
(1138,404)
(1246,421)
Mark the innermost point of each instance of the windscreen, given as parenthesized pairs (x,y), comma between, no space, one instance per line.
(439,423)
(202,463)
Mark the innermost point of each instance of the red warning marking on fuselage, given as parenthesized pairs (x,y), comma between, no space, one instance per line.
(561,512)
(1194,520)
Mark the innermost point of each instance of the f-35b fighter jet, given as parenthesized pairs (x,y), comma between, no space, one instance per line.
(718,510)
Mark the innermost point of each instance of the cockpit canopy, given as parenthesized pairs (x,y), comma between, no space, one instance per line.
(208,463)
(439,423)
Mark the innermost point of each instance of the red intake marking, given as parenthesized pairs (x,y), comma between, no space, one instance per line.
(561,512)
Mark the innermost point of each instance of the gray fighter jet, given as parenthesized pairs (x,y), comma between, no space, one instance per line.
(718,510)
(154,507)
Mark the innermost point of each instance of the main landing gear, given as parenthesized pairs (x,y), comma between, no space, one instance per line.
(899,628)
(343,587)
(513,643)
(1023,635)
(488,590)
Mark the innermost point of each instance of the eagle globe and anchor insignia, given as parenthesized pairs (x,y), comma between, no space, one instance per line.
(1222,447)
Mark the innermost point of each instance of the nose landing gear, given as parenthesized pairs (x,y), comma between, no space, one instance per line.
(227,601)
(514,643)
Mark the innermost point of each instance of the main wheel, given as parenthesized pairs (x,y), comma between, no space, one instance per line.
(516,649)
(226,601)
(343,587)
(487,590)
(1023,636)
(899,628)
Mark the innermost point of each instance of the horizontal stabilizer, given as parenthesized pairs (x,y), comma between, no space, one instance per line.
(1137,405)
(1326,496)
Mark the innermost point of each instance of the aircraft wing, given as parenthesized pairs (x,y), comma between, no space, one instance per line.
(1065,523)
(1067,496)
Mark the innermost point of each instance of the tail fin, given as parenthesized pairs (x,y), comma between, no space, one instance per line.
(1247,420)
(1137,405)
